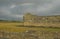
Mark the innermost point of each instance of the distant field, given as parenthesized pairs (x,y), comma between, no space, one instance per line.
(12,27)
(9,26)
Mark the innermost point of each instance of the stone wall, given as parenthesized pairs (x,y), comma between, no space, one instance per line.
(35,20)
(30,34)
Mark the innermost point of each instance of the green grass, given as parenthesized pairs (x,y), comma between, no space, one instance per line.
(13,27)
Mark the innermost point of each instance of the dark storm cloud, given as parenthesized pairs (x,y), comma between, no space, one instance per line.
(14,9)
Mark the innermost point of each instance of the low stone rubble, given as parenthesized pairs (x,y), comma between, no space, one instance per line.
(30,34)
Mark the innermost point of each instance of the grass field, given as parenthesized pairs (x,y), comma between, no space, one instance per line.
(12,27)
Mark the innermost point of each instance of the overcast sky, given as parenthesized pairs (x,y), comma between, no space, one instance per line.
(14,9)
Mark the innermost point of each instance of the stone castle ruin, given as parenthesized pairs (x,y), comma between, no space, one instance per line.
(34,20)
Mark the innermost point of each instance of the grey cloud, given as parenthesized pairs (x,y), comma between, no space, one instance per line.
(14,9)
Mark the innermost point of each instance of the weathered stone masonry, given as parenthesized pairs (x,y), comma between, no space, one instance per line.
(34,20)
